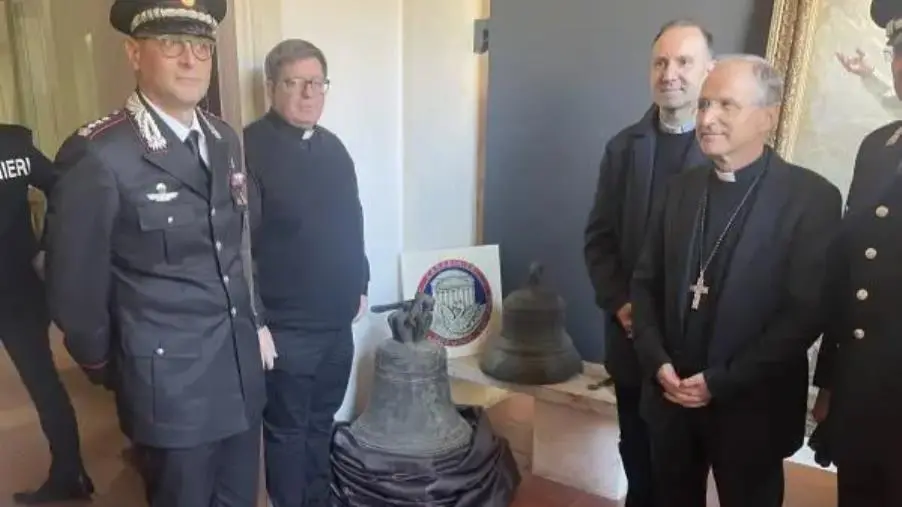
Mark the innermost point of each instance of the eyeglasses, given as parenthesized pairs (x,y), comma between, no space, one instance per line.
(299,84)
(173,46)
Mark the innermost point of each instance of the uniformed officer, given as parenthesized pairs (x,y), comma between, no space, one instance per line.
(148,265)
(858,366)
(24,320)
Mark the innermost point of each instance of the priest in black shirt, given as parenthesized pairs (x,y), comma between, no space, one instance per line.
(312,270)
(726,296)
(634,171)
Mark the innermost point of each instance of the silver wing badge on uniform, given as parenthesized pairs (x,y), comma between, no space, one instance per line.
(161,194)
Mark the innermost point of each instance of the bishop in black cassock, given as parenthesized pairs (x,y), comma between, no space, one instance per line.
(726,296)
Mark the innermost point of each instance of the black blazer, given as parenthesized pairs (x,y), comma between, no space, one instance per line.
(768,309)
(615,230)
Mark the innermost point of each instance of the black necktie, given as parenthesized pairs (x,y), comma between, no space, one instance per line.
(193,144)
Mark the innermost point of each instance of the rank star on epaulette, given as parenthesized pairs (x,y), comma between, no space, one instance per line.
(90,128)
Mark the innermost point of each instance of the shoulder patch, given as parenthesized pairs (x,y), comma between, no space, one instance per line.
(95,127)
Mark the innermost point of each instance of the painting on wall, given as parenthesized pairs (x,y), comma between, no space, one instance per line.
(838,82)
(836,65)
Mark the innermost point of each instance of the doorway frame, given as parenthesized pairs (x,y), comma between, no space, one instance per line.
(249,30)
(228,83)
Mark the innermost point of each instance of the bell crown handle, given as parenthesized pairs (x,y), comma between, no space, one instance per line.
(410,320)
(536,270)
(390,306)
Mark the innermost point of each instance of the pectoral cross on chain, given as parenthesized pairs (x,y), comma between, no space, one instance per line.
(698,290)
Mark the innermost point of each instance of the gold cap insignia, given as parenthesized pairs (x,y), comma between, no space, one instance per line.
(188,3)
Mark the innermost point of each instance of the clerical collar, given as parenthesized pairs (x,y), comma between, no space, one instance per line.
(668,128)
(281,123)
(745,174)
(726,177)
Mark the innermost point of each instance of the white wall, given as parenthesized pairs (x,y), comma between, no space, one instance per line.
(404,99)
(361,40)
(440,123)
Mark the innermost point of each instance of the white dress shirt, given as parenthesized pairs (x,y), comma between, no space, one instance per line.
(181,131)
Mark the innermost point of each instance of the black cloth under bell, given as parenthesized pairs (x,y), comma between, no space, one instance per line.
(483,474)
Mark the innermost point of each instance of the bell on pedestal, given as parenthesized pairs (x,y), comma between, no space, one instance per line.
(533,347)
(410,411)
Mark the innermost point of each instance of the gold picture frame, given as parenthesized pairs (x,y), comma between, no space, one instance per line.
(838,83)
(788,48)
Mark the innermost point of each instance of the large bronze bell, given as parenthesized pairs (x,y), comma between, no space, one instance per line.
(533,346)
(410,412)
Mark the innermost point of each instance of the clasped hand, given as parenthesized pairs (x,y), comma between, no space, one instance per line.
(691,392)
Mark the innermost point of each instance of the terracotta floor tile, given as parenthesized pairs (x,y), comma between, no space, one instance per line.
(594,501)
(538,492)
(24,458)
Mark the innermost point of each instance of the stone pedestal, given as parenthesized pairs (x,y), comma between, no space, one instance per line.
(575,432)
(578,448)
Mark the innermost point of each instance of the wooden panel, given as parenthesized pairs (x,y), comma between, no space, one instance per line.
(481,122)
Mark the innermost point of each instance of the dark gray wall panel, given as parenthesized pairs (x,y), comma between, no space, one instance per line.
(566,75)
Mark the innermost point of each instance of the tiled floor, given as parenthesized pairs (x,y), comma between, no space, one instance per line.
(805,487)
(24,460)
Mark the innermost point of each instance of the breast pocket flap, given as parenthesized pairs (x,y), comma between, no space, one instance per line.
(155,217)
(169,348)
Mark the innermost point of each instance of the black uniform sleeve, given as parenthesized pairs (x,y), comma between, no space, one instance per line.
(255,199)
(649,296)
(42,176)
(255,218)
(797,325)
(833,299)
(81,214)
(601,250)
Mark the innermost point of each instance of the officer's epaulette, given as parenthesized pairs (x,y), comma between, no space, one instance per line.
(94,128)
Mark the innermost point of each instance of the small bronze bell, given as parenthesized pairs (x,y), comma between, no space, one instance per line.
(410,412)
(533,346)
